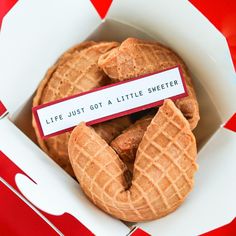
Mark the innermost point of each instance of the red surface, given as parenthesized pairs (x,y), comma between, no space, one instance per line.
(66,223)
(226,230)
(17,218)
(231,124)
(2,109)
(8,170)
(140,232)
(5,6)
(222,14)
(102,6)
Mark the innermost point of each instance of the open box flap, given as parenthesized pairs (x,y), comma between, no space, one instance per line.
(211,204)
(182,27)
(54,191)
(174,21)
(28,30)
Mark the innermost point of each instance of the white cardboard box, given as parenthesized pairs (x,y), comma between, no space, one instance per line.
(33,36)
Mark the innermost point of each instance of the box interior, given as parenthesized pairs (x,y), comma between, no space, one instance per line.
(114,30)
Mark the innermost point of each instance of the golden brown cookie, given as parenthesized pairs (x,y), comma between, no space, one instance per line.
(75,71)
(126,144)
(135,57)
(112,128)
(163,170)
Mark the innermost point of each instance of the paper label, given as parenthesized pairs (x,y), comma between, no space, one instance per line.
(109,102)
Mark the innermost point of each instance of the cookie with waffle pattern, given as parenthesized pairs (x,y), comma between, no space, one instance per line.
(135,57)
(163,170)
(127,142)
(75,71)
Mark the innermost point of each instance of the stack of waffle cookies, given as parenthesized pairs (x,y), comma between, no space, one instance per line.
(138,167)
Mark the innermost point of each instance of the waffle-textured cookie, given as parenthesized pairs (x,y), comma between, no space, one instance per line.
(112,128)
(135,57)
(126,144)
(75,71)
(163,170)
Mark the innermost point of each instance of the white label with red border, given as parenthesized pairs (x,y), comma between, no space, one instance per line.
(109,102)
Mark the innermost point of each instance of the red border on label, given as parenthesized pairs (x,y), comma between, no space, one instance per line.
(113,116)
